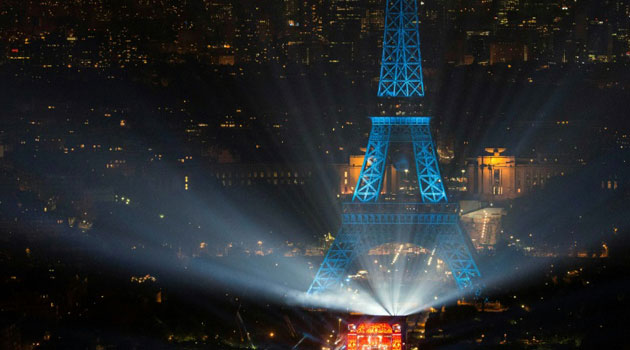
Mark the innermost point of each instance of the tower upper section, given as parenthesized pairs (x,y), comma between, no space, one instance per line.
(401,64)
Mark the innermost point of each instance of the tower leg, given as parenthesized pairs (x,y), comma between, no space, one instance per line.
(336,262)
(429,178)
(452,248)
(371,177)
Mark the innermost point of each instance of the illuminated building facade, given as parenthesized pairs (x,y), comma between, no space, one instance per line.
(496,176)
(349,173)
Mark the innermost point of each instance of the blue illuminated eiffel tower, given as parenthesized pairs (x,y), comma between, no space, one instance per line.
(432,223)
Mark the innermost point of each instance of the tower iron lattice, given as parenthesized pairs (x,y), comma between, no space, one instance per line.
(432,222)
(401,63)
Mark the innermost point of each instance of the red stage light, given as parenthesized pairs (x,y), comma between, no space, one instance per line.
(374,335)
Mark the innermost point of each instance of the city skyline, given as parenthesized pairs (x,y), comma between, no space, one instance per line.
(119,34)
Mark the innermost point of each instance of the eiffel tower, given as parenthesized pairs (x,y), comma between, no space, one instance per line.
(432,222)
